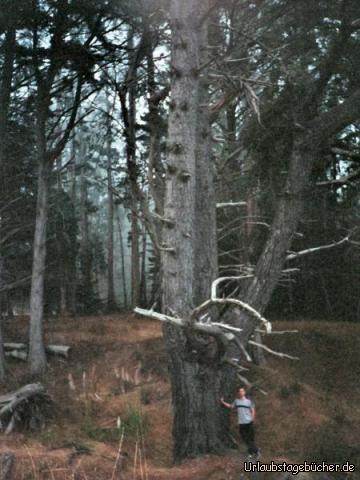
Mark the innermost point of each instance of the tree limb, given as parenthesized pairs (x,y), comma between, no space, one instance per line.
(341,180)
(294,255)
(355,156)
(273,352)
(231,204)
(59,147)
(179,322)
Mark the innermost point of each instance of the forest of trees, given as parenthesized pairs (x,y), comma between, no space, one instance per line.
(150,147)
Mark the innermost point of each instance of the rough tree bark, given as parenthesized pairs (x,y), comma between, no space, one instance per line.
(5,87)
(127,96)
(5,93)
(46,157)
(84,251)
(37,357)
(143,292)
(288,212)
(72,286)
(189,245)
(195,383)
(63,266)
(155,165)
(132,167)
(122,258)
(7,460)
(111,305)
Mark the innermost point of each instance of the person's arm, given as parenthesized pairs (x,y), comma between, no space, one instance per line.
(225,404)
(253,412)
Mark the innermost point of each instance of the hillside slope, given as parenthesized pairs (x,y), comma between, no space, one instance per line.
(117,376)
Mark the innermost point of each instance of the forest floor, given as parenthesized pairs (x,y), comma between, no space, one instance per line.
(117,370)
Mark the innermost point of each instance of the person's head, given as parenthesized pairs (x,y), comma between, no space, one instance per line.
(242,392)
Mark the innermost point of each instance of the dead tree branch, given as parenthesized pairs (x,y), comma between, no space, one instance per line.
(355,156)
(273,352)
(24,408)
(231,204)
(343,180)
(209,328)
(294,255)
(225,332)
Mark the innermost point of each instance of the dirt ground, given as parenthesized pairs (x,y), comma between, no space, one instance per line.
(116,376)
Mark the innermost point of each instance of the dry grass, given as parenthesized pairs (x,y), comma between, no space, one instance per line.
(117,369)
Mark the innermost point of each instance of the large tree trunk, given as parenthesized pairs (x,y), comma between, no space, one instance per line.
(143,290)
(122,258)
(288,213)
(7,460)
(155,165)
(270,264)
(45,79)
(5,93)
(84,251)
(258,291)
(189,255)
(135,257)
(205,235)
(37,356)
(200,424)
(127,96)
(63,266)
(72,284)
(5,89)
(110,233)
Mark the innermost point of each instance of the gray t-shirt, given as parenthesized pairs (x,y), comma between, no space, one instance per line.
(243,407)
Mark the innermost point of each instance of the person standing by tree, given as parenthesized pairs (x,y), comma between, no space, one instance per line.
(246,417)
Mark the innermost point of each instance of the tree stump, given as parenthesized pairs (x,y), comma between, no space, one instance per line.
(6,464)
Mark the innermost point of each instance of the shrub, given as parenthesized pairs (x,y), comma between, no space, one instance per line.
(130,423)
(133,420)
(145,396)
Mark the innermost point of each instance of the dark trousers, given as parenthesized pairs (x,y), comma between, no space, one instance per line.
(247,433)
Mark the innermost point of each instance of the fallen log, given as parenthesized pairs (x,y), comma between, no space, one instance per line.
(19,350)
(15,346)
(24,409)
(17,354)
(61,350)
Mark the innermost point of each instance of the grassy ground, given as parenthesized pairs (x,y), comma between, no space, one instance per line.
(116,376)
